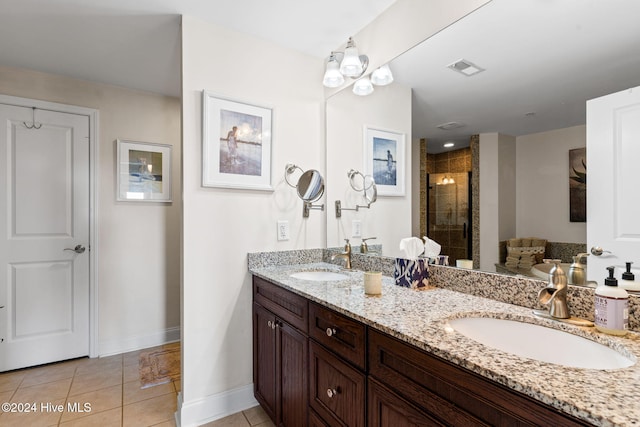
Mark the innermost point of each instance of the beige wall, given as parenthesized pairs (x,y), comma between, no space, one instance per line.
(138,244)
(222,225)
(389,219)
(543,185)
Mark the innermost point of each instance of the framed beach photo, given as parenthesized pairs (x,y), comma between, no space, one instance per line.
(384,160)
(143,171)
(236,144)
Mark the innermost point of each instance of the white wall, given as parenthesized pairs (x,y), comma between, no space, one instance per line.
(138,243)
(222,225)
(389,219)
(543,185)
(507,186)
(497,195)
(415,187)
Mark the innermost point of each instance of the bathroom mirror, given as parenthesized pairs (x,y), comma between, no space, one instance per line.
(364,184)
(370,189)
(532,100)
(310,186)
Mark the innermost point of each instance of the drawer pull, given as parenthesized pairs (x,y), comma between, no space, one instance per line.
(332,392)
(331,332)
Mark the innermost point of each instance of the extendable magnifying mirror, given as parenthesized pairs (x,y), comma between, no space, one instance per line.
(360,183)
(310,187)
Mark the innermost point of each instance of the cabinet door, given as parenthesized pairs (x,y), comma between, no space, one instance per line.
(292,372)
(337,390)
(264,359)
(386,409)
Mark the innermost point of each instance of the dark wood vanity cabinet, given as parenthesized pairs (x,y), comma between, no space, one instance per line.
(280,354)
(315,367)
(447,393)
(337,367)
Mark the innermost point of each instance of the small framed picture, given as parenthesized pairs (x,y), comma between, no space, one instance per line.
(384,160)
(143,171)
(236,144)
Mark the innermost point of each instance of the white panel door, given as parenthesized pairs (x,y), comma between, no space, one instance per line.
(44,210)
(613,187)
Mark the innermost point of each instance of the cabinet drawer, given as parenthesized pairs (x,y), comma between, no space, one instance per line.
(290,307)
(338,333)
(386,409)
(336,390)
(316,421)
(457,396)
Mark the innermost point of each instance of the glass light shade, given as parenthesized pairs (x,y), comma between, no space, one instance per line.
(382,76)
(332,76)
(351,66)
(363,87)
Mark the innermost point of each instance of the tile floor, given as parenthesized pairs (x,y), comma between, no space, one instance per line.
(109,385)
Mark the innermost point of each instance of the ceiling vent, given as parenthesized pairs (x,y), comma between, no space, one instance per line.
(465,67)
(450,125)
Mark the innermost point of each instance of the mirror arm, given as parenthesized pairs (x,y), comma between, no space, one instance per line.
(339,208)
(307,206)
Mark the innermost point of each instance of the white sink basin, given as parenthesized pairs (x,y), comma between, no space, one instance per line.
(540,343)
(319,276)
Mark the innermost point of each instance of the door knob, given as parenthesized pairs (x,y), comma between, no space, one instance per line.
(78,249)
(597,251)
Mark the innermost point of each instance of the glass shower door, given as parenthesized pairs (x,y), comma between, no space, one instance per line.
(449,213)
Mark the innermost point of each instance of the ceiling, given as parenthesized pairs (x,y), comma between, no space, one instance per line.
(136,44)
(543,58)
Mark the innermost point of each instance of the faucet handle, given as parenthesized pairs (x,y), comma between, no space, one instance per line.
(363,246)
(580,256)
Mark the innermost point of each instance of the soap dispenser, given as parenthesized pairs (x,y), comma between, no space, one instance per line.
(611,306)
(628,279)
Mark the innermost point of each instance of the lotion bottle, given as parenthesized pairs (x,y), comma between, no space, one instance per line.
(611,307)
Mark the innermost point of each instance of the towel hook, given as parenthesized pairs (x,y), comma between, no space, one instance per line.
(33,120)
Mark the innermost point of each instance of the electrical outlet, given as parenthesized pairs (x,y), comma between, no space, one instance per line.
(283,230)
(356,228)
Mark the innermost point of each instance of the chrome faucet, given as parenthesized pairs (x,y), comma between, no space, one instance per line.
(346,255)
(555,294)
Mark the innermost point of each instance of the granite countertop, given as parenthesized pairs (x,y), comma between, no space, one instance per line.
(420,318)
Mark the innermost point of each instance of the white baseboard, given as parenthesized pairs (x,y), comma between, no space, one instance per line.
(138,342)
(214,407)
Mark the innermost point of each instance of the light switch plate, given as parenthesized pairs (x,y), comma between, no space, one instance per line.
(356,228)
(283,230)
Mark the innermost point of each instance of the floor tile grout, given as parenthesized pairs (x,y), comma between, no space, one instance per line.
(81,367)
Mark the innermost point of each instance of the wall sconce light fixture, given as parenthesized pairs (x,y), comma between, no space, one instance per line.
(351,64)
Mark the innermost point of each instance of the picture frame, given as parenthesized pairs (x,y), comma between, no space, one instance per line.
(236,144)
(143,172)
(384,152)
(578,185)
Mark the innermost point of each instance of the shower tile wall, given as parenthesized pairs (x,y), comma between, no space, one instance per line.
(448,204)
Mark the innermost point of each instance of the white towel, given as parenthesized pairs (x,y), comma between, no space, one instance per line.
(412,247)
(431,247)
